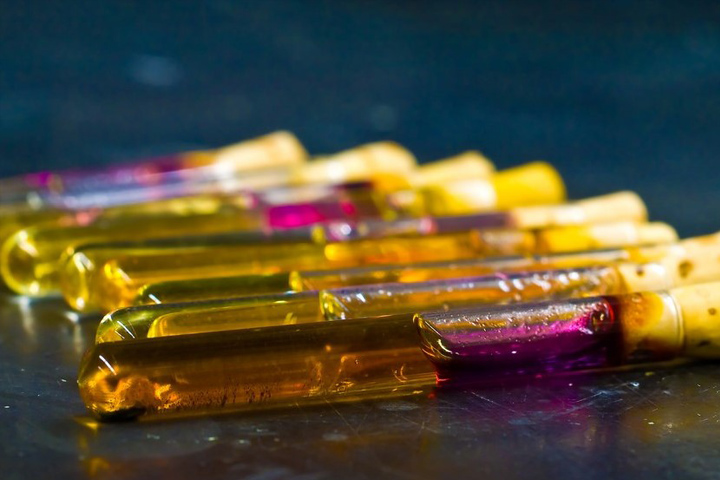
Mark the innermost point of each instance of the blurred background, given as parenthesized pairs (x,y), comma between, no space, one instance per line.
(617,94)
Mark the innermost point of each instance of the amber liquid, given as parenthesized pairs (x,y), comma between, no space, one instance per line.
(216,288)
(249,370)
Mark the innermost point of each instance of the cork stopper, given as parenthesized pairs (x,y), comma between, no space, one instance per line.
(533,183)
(694,260)
(639,277)
(651,325)
(613,207)
(466,165)
(365,162)
(604,235)
(699,307)
(279,149)
(459,197)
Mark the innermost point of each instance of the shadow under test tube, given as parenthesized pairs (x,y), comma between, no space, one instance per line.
(107,279)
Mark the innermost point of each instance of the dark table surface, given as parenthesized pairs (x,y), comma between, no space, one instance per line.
(616,94)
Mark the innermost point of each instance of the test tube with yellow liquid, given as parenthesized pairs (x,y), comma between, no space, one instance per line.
(319,363)
(116,183)
(379,299)
(29,260)
(104,278)
(616,206)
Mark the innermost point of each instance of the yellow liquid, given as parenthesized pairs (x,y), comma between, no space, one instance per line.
(201,317)
(97,278)
(354,302)
(216,288)
(250,370)
(107,279)
(31,258)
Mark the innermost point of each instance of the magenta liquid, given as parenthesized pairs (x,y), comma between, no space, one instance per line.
(525,339)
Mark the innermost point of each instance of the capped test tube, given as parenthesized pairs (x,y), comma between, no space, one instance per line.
(29,264)
(395,298)
(575,334)
(66,188)
(29,260)
(621,205)
(365,359)
(97,278)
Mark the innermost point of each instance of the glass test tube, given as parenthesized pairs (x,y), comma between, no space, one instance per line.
(98,278)
(362,161)
(65,189)
(396,298)
(622,205)
(30,259)
(27,273)
(576,334)
(250,370)
(310,364)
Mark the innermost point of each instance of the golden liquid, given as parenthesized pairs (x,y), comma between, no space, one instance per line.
(97,278)
(213,288)
(248,370)
(305,280)
(107,279)
(353,302)
(200,317)
(31,257)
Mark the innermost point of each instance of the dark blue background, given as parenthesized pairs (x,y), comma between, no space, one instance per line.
(616,94)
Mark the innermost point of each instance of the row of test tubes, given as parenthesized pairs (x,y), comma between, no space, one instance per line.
(253,276)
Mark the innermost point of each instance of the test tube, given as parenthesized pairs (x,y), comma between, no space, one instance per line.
(280,149)
(395,298)
(621,205)
(366,359)
(29,262)
(30,259)
(576,334)
(256,369)
(29,265)
(97,278)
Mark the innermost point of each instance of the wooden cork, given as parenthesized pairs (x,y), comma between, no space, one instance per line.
(530,184)
(699,307)
(638,277)
(533,183)
(605,235)
(279,149)
(459,197)
(613,207)
(366,162)
(467,165)
(651,325)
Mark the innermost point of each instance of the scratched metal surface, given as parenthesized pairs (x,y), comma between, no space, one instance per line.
(616,94)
